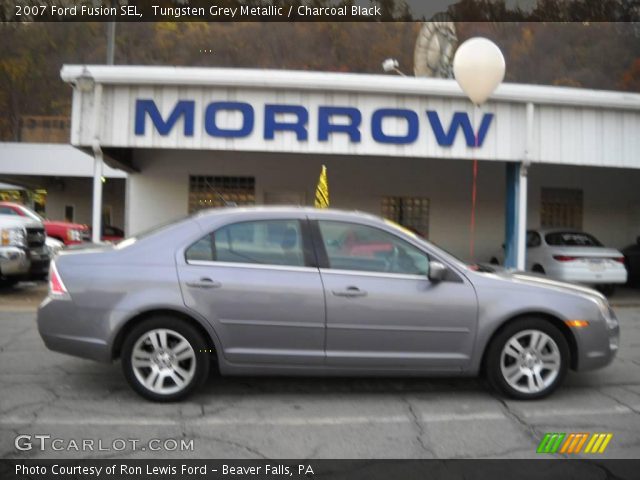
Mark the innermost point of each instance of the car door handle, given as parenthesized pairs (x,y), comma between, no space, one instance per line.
(350,292)
(204,283)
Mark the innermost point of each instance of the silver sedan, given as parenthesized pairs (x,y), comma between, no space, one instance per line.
(298,291)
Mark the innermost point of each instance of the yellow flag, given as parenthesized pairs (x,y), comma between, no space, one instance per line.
(322,190)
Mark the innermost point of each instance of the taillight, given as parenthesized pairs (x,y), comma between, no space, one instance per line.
(56,287)
(564,258)
(618,259)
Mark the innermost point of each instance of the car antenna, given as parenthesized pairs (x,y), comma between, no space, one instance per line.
(220,196)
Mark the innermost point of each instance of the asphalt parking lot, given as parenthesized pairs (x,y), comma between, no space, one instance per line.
(45,393)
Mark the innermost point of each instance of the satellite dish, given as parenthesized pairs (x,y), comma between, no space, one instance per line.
(479,68)
(434,49)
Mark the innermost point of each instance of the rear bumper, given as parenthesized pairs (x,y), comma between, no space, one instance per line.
(586,276)
(64,329)
(13,262)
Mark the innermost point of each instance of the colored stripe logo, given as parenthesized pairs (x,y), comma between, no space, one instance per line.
(573,443)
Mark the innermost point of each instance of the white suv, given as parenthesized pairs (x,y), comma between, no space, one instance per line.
(23,253)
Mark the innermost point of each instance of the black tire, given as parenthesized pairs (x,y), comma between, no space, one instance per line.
(493,369)
(8,282)
(538,269)
(195,339)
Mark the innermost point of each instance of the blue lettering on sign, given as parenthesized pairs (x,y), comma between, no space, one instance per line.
(184,108)
(459,120)
(271,124)
(327,125)
(212,128)
(412,125)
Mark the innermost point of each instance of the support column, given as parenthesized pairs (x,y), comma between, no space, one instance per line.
(511,216)
(96,216)
(521,250)
(515,248)
(516,216)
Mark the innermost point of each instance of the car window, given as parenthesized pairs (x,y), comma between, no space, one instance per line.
(533,239)
(8,211)
(573,239)
(352,246)
(267,242)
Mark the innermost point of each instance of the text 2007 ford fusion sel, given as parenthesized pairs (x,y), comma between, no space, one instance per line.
(296,291)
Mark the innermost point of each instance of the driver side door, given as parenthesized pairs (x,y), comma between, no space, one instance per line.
(383,312)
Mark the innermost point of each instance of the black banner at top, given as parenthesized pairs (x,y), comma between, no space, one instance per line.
(318,10)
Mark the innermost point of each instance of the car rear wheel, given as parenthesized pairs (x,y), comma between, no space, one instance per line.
(528,359)
(165,359)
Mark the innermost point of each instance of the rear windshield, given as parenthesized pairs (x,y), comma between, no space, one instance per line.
(572,239)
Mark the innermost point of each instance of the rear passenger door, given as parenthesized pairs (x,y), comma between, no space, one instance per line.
(256,282)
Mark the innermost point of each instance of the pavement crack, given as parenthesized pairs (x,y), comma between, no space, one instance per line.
(619,402)
(419,428)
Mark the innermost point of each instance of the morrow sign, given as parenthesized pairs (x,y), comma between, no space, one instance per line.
(331,120)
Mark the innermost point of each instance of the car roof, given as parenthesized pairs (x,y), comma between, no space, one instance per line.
(329,213)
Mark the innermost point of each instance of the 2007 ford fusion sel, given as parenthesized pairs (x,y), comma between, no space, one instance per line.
(299,291)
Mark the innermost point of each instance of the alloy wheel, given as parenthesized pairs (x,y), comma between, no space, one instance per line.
(163,361)
(530,361)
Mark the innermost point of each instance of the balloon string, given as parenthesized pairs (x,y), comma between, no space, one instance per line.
(474,191)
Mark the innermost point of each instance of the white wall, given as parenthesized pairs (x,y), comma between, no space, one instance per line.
(78,192)
(611,199)
(160,191)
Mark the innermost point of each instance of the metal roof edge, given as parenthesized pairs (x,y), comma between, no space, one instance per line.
(343,82)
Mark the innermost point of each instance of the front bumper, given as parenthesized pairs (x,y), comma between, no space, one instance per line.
(598,343)
(14,261)
(40,260)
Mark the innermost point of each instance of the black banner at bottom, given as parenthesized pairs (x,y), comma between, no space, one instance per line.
(319,469)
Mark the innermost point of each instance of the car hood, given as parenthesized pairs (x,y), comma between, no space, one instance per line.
(69,225)
(541,281)
(8,221)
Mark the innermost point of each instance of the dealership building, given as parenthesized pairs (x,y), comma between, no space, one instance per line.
(401,147)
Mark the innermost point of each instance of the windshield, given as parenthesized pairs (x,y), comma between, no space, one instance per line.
(571,239)
(30,213)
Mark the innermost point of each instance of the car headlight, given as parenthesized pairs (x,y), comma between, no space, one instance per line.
(607,312)
(74,235)
(14,237)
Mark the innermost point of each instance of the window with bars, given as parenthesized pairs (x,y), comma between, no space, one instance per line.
(561,207)
(213,191)
(410,212)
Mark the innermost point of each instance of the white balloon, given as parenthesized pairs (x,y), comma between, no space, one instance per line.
(478,67)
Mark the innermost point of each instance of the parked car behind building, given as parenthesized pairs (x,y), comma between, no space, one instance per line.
(573,256)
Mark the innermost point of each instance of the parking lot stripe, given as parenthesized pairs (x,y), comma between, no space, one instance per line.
(305,421)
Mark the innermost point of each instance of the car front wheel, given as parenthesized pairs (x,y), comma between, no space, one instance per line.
(165,359)
(528,359)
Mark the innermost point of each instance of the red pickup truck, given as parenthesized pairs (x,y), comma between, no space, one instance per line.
(66,232)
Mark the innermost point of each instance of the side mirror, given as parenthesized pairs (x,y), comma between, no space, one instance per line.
(437,271)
